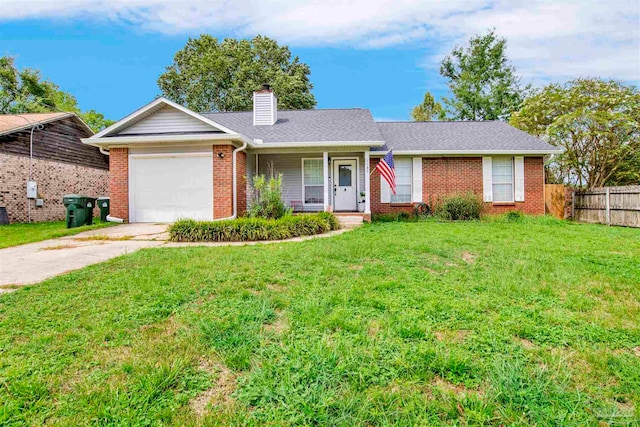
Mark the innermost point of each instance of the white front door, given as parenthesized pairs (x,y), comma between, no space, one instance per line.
(344,185)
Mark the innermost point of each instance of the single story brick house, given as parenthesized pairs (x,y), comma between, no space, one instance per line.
(169,162)
(46,149)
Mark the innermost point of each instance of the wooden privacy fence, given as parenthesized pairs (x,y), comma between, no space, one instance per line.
(554,200)
(608,205)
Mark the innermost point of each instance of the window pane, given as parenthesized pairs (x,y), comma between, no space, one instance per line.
(503,192)
(312,179)
(502,170)
(404,180)
(344,175)
(313,172)
(314,194)
(502,176)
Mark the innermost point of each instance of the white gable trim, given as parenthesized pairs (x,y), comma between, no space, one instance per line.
(114,128)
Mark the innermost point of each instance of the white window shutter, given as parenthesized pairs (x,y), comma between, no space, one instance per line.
(385,191)
(416,185)
(519,178)
(487,181)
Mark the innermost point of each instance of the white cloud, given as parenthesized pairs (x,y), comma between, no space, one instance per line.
(547,39)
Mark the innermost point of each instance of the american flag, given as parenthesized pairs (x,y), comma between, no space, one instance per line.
(387,170)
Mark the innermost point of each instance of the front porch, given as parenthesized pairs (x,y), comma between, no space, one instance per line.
(317,181)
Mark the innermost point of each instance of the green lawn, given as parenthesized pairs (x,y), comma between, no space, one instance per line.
(21,233)
(486,323)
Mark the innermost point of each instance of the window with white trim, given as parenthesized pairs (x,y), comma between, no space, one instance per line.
(404,179)
(502,179)
(312,185)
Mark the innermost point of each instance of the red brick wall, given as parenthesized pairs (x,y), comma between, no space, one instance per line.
(223,181)
(119,182)
(241,178)
(54,179)
(443,176)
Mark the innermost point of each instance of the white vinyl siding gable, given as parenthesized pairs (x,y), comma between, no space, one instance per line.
(404,180)
(167,120)
(502,182)
(312,182)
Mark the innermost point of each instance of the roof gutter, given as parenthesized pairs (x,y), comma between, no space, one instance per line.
(267,145)
(466,152)
(106,142)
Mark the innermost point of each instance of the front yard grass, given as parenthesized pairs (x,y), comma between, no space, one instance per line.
(485,323)
(21,233)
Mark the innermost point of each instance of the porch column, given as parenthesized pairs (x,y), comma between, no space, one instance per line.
(367,184)
(325,175)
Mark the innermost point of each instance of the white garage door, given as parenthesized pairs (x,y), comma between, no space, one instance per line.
(165,188)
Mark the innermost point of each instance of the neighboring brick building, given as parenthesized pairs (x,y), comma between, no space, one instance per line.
(61,164)
(168,162)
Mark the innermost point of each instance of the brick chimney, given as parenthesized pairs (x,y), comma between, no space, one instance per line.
(265,107)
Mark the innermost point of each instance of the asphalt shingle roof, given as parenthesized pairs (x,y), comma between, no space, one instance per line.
(357,124)
(331,125)
(448,136)
(14,122)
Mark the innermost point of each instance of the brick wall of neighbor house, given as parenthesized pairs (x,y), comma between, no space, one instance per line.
(54,179)
(241,178)
(222,181)
(119,182)
(442,176)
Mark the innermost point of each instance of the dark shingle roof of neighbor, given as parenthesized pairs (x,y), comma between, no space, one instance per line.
(447,136)
(331,125)
(357,124)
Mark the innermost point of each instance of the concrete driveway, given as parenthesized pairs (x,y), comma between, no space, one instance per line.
(35,262)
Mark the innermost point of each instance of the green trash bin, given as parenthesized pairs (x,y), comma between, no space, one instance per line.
(103,204)
(89,204)
(79,210)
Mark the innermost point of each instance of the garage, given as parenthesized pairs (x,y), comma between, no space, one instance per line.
(167,186)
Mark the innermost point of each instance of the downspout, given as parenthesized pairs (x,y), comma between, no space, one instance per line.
(102,150)
(39,127)
(235,182)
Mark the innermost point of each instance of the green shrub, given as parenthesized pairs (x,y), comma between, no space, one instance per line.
(251,229)
(461,207)
(514,216)
(267,198)
(330,218)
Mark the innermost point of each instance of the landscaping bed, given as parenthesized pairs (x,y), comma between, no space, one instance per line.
(253,229)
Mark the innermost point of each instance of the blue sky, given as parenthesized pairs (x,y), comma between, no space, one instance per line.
(377,54)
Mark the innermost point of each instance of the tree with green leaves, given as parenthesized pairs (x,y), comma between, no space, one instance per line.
(595,122)
(429,110)
(25,91)
(483,83)
(211,75)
